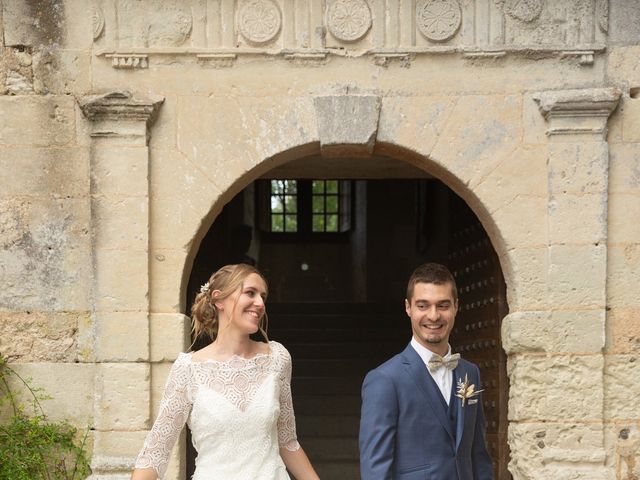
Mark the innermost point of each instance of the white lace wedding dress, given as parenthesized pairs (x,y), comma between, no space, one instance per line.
(239,411)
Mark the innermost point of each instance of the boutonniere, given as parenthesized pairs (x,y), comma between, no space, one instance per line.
(465,390)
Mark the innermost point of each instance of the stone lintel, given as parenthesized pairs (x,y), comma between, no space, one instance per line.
(120,105)
(347,124)
(580,111)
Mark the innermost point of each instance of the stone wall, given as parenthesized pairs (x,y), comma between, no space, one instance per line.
(124,130)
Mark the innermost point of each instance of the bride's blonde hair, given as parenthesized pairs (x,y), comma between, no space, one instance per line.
(204,313)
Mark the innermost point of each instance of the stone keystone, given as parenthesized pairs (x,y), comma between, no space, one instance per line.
(347,124)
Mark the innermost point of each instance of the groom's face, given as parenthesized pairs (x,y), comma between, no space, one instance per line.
(432,310)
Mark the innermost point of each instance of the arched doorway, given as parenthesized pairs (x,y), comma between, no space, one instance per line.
(336,301)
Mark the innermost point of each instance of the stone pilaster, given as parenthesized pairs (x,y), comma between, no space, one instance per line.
(552,352)
(119,134)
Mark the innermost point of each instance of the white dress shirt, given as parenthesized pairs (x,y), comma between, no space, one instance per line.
(442,376)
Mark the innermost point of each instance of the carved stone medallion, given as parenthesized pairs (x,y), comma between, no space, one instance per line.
(98,22)
(348,20)
(259,21)
(438,20)
(602,9)
(525,10)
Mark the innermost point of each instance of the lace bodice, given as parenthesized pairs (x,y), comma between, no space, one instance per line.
(239,411)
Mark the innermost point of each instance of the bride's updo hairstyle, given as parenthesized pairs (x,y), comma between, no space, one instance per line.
(204,313)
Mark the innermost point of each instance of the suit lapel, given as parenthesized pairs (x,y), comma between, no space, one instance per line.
(416,369)
(458,373)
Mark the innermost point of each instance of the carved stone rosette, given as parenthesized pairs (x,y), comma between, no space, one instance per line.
(97,19)
(524,10)
(259,21)
(348,20)
(438,20)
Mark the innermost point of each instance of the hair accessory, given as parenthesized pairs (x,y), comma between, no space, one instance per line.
(204,288)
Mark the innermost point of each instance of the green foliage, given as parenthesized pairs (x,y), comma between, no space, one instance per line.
(31,447)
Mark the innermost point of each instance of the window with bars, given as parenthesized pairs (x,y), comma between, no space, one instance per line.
(306,206)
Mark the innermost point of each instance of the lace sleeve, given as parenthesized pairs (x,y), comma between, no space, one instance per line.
(174,410)
(287,421)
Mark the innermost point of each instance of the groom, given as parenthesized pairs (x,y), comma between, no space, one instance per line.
(422,413)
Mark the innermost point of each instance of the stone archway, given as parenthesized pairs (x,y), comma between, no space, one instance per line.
(476,144)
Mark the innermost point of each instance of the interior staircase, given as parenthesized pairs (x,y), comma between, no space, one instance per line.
(333,346)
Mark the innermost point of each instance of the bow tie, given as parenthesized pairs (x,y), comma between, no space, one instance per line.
(437,361)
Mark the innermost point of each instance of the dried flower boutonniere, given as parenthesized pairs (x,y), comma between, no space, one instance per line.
(465,390)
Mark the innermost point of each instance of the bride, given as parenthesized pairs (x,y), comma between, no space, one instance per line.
(234,394)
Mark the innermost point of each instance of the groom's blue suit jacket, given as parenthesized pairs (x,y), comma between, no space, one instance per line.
(406,432)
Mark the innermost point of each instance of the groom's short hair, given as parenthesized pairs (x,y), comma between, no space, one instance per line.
(432,273)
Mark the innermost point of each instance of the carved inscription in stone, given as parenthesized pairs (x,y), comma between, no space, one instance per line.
(348,20)
(438,20)
(525,10)
(259,21)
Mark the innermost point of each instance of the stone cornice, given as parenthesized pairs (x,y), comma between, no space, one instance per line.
(120,105)
(580,111)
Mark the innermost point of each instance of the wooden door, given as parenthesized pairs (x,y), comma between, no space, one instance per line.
(476,335)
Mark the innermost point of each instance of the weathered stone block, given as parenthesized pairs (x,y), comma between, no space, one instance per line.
(572,217)
(61,72)
(347,124)
(181,196)
(554,332)
(528,165)
(121,336)
(423,120)
(525,271)
(121,280)
(60,172)
(559,451)
(623,331)
(119,443)
(620,372)
(118,170)
(578,168)
(159,376)
(166,267)
(555,388)
(534,125)
(622,208)
(40,336)
(623,285)
(523,221)
(71,400)
(122,396)
(470,150)
(45,254)
(624,169)
(121,222)
(622,65)
(37,120)
(169,335)
(631,120)
(577,276)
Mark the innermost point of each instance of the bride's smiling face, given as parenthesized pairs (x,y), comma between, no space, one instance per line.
(244,308)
